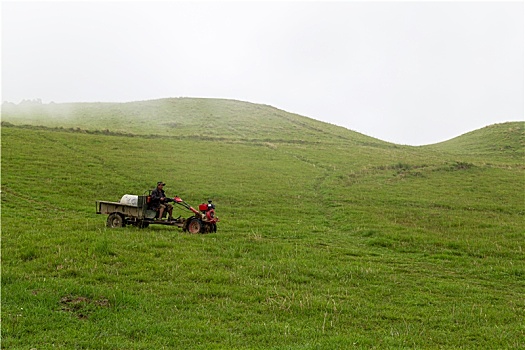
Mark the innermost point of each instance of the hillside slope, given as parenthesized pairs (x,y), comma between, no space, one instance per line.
(327,239)
(183,117)
(493,141)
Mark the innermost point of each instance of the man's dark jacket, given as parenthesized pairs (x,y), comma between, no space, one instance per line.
(156,195)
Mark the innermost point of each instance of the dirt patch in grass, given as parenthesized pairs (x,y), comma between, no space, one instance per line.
(81,306)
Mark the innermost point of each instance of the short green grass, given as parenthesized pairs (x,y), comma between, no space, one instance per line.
(328,239)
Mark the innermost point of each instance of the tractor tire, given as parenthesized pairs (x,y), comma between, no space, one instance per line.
(195,226)
(115,220)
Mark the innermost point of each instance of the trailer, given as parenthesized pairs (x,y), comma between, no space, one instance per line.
(135,210)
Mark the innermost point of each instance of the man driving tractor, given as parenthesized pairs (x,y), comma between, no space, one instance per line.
(160,202)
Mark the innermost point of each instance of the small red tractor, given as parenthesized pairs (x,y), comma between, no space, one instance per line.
(136,210)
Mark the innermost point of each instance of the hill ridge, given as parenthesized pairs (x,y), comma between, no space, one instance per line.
(210,118)
(496,139)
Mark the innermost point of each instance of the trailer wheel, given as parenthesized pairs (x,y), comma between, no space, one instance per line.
(194,226)
(115,220)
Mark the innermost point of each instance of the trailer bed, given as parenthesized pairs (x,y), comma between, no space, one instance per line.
(107,208)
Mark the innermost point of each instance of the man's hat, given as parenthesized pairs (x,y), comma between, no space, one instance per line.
(160,183)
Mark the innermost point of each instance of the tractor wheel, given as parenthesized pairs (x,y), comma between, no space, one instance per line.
(195,226)
(115,220)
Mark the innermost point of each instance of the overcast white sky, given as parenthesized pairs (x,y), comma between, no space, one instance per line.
(405,72)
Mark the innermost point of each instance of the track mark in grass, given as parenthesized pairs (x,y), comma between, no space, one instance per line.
(26,198)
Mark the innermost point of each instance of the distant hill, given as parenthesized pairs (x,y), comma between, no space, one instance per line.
(233,120)
(184,117)
(494,140)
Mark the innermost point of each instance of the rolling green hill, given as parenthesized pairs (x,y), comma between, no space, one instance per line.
(506,140)
(328,238)
(182,117)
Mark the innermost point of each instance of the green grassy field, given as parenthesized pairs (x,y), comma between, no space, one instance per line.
(328,239)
